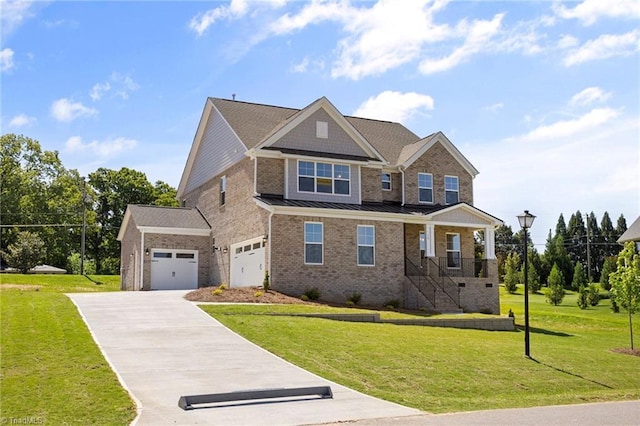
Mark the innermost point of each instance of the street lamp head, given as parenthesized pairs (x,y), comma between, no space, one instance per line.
(526,219)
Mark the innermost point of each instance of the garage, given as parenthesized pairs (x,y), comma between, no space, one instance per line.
(248,263)
(174,269)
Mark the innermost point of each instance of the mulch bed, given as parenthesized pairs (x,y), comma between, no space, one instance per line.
(243,295)
(627,351)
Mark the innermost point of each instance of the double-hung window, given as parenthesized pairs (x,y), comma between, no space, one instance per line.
(453,251)
(425,187)
(451,189)
(366,245)
(313,243)
(323,178)
(386,181)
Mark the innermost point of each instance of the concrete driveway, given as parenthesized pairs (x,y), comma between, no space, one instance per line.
(163,347)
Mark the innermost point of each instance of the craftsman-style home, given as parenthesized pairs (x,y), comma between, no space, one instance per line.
(318,200)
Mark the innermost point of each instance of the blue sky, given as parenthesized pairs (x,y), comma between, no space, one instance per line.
(542,97)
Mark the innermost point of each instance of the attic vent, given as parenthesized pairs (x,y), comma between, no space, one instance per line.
(322,129)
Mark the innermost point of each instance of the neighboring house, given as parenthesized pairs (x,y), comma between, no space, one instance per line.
(319,199)
(632,234)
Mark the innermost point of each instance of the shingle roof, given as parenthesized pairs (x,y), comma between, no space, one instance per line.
(167,217)
(632,233)
(255,122)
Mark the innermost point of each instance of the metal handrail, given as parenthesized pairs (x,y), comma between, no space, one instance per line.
(411,271)
(444,281)
(471,268)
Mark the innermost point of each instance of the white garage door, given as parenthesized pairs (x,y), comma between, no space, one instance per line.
(174,269)
(247,263)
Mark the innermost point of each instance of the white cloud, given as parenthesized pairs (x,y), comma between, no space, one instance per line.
(201,22)
(589,11)
(98,90)
(605,46)
(118,84)
(14,13)
(6,59)
(568,128)
(494,107)
(67,110)
(567,41)
(105,149)
(588,96)
(477,36)
(394,106)
(22,120)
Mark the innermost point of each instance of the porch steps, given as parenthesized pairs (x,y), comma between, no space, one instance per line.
(417,300)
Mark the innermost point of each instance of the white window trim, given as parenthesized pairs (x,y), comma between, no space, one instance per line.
(457,191)
(390,181)
(304,238)
(426,187)
(454,251)
(358,245)
(315,178)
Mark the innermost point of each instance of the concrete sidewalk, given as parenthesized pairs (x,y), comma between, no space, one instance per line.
(162,347)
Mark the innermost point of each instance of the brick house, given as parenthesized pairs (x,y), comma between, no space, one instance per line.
(344,204)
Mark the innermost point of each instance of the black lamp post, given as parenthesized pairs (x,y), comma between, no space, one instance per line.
(526,220)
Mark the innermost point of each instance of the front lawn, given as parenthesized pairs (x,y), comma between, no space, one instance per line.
(51,369)
(445,370)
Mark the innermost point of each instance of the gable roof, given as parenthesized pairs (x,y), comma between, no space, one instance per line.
(632,233)
(411,153)
(158,219)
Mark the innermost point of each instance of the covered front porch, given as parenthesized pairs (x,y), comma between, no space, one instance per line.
(445,268)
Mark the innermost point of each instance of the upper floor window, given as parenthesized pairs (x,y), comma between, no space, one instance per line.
(386,181)
(322,129)
(223,190)
(366,245)
(325,178)
(451,189)
(313,243)
(425,187)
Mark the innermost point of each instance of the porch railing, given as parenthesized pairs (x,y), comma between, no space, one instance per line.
(420,280)
(443,280)
(470,268)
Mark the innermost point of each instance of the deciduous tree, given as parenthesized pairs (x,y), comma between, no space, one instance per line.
(625,283)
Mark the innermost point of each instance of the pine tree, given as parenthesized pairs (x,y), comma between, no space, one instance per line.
(583,301)
(608,268)
(533,279)
(512,272)
(555,290)
(579,279)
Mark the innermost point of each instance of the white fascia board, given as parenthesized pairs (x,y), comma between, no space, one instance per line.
(267,153)
(450,147)
(123,226)
(464,206)
(174,231)
(323,103)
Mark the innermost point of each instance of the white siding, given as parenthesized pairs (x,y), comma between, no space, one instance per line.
(461,216)
(219,149)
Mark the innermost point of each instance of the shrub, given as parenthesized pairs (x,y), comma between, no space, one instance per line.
(593,294)
(217,292)
(257,294)
(26,252)
(392,304)
(312,293)
(350,303)
(265,282)
(354,298)
(73,263)
(582,301)
(304,298)
(223,286)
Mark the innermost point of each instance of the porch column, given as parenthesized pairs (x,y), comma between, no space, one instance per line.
(489,243)
(429,240)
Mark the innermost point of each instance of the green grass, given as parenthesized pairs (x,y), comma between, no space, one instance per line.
(446,370)
(52,372)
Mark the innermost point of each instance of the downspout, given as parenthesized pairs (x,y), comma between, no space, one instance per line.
(142,250)
(269,248)
(402,174)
